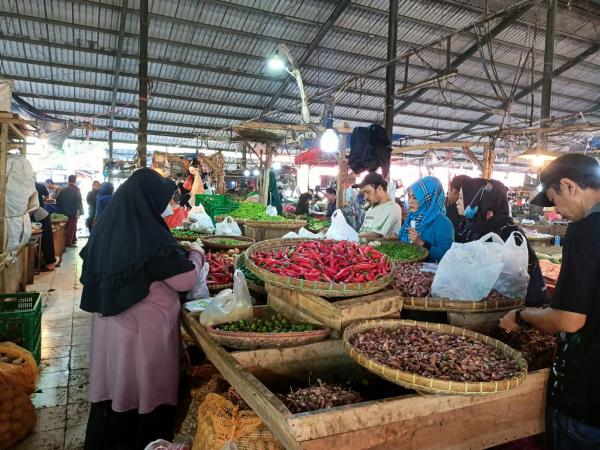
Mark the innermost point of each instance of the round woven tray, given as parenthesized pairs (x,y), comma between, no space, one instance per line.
(190,239)
(245,242)
(434,385)
(246,340)
(422,258)
(57,221)
(443,304)
(282,225)
(311,287)
(220,287)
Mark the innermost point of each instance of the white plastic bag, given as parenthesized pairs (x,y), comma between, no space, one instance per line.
(230,306)
(514,279)
(303,233)
(203,224)
(228,227)
(271,211)
(200,290)
(195,213)
(161,444)
(469,271)
(340,230)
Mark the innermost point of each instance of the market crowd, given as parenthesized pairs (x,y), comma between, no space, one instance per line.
(133,270)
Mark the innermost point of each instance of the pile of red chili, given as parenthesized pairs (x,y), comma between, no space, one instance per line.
(326,261)
(220,268)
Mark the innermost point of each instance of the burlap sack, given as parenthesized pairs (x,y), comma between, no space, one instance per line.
(25,373)
(221,424)
(17,414)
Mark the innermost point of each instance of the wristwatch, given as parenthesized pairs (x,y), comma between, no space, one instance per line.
(520,321)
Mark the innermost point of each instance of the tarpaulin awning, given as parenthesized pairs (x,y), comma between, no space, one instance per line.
(315,157)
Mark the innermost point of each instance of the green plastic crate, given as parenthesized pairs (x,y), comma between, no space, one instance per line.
(210,200)
(21,321)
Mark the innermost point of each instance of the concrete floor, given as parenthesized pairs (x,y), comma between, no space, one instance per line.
(60,400)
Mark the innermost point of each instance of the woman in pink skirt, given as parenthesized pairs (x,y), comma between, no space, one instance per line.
(133,271)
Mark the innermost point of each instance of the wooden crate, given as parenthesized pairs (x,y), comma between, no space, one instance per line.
(410,421)
(337,315)
(58,236)
(13,273)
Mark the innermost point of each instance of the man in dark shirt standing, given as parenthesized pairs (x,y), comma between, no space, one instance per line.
(331,196)
(91,201)
(571,183)
(70,204)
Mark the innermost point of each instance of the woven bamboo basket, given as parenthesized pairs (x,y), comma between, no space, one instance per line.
(190,239)
(444,304)
(247,340)
(57,221)
(311,287)
(210,242)
(276,225)
(220,287)
(427,384)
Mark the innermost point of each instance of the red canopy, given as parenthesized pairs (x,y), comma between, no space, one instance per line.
(315,157)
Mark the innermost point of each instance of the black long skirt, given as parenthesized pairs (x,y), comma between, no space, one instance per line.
(129,430)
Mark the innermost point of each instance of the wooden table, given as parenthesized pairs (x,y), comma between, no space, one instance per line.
(409,421)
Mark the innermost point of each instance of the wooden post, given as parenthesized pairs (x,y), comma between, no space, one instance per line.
(489,156)
(3,157)
(390,70)
(143,81)
(342,172)
(265,174)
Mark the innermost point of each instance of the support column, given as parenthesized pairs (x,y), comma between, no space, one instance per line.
(143,81)
(342,174)
(489,157)
(390,72)
(265,174)
(548,60)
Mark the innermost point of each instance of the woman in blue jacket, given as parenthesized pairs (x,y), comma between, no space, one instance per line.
(426,223)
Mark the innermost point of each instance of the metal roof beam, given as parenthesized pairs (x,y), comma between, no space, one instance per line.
(469,52)
(115,89)
(524,92)
(222,116)
(265,78)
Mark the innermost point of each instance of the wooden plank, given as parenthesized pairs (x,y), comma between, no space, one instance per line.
(3,178)
(422,410)
(336,315)
(451,144)
(266,404)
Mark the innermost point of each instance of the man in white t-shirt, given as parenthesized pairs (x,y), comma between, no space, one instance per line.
(384,217)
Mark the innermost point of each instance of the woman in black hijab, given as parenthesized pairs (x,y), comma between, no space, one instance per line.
(484,204)
(302,208)
(132,272)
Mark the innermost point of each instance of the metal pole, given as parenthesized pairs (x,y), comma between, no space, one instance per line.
(143,80)
(548,60)
(390,71)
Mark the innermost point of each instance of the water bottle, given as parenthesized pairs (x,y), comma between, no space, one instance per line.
(557,241)
(413,224)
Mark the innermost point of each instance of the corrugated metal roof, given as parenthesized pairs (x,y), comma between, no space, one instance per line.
(208,61)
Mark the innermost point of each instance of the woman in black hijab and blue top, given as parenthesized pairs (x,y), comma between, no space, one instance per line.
(426,223)
(133,271)
(484,204)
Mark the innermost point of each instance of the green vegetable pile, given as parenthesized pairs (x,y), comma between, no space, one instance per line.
(228,241)
(316,225)
(399,251)
(276,324)
(254,211)
(178,233)
(56,216)
(250,275)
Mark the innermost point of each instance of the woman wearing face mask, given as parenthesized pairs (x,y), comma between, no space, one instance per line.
(133,270)
(426,223)
(484,204)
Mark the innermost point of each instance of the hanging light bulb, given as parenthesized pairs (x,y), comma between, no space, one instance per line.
(276,165)
(329,140)
(276,63)
(256,172)
(246,173)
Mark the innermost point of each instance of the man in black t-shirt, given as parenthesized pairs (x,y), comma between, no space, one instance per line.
(571,183)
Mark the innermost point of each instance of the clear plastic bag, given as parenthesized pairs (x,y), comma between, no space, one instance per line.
(228,227)
(271,211)
(200,290)
(203,224)
(230,306)
(161,444)
(469,271)
(514,279)
(340,230)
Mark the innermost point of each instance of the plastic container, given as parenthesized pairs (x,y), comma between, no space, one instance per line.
(21,321)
